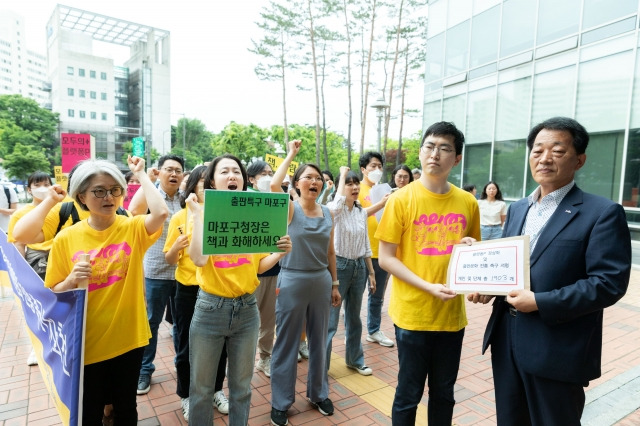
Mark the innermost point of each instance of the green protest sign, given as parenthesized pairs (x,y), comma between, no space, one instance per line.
(243,222)
(138,147)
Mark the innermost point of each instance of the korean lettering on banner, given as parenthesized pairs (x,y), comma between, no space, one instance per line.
(275,162)
(243,222)
(61,178)
(55,325)
(132,188)
(74,147)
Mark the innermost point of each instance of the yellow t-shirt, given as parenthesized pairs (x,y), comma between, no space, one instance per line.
(116,311)
(372,223)
(17,215)
(426,225)
(230,275)
(186,270)
(53,219)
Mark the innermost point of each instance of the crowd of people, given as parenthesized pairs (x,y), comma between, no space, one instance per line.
(345,239)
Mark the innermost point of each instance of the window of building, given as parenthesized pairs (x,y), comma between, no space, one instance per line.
(459,11)
(81,72)
(81,93)
(437,18)
(602,174)
(92,74)
(557,19)
(553,94)
(484,37)
(69,70)
(480,116)
(103,96)
(92,94)
(93,115)
(70,91)
(457,49)
(103,75)
(597,12)
(476,168)
(432,113)
(71,113)
(435,57)
(517,26)
(454,109)
(81,114)
(603,92)
(512,120)
(509,164)
(104,116)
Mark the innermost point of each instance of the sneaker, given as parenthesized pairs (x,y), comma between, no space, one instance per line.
(325,407)
(264,365)
(379,337)
(303,349)
(185,408)
(221,402)
(299,357)
(363,369)
(144,384)
(32,359)
(278,418)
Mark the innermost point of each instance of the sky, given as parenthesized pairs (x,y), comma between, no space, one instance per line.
(212,72)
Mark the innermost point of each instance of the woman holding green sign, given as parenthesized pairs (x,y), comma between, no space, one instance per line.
(307,288)
(226,310)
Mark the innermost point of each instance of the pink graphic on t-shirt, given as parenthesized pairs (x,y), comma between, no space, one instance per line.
(437,234)
(230,261)
(108,264)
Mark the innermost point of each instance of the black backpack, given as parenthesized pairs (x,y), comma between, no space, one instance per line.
(69,209)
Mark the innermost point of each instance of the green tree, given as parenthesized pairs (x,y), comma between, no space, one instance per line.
(244,141)
(127,149)
(23,121)
(25,160)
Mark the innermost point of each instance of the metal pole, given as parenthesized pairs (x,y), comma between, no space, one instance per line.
(379,128)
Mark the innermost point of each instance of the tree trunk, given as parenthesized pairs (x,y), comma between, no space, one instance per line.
(366,87)
(324,115)
(387,117)
(315,81)
(404,86)
(284,91)
(346,25)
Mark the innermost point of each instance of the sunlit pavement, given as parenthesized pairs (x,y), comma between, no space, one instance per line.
(612,399)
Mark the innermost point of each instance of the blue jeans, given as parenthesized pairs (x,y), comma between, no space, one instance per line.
(157,295)
(426,354)
(490,232)
(352,275)
(216,321)
(376,299)
(184,304)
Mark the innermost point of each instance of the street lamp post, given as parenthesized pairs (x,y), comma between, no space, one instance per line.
(380,106)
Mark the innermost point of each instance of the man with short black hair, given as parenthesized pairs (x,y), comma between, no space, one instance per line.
(417,232)
(159,275)
(546,342)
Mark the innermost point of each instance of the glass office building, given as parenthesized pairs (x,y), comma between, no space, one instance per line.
(496,68)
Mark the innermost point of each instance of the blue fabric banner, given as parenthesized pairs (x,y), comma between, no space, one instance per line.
(55,322)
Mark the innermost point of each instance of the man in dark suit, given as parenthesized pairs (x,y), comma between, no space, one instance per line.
(546,342)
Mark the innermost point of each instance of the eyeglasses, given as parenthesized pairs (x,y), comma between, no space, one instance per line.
(442,149)
(115,192)
(403,177)
(312,178)
(171,171)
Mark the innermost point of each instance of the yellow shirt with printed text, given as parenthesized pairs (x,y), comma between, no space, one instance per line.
(116,309)
(425,226)
(230,275)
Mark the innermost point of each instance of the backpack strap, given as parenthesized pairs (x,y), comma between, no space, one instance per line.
(8,194)
(65,212)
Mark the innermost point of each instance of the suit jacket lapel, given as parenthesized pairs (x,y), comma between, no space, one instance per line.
(565,213)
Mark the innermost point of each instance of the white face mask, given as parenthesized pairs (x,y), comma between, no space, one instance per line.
(40,192)
(264,184)
(375,176)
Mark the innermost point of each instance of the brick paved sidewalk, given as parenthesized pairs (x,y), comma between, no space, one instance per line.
(359,400)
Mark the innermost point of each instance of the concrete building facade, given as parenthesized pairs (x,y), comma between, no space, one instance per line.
(93,95)
(22,71)
(498,67)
